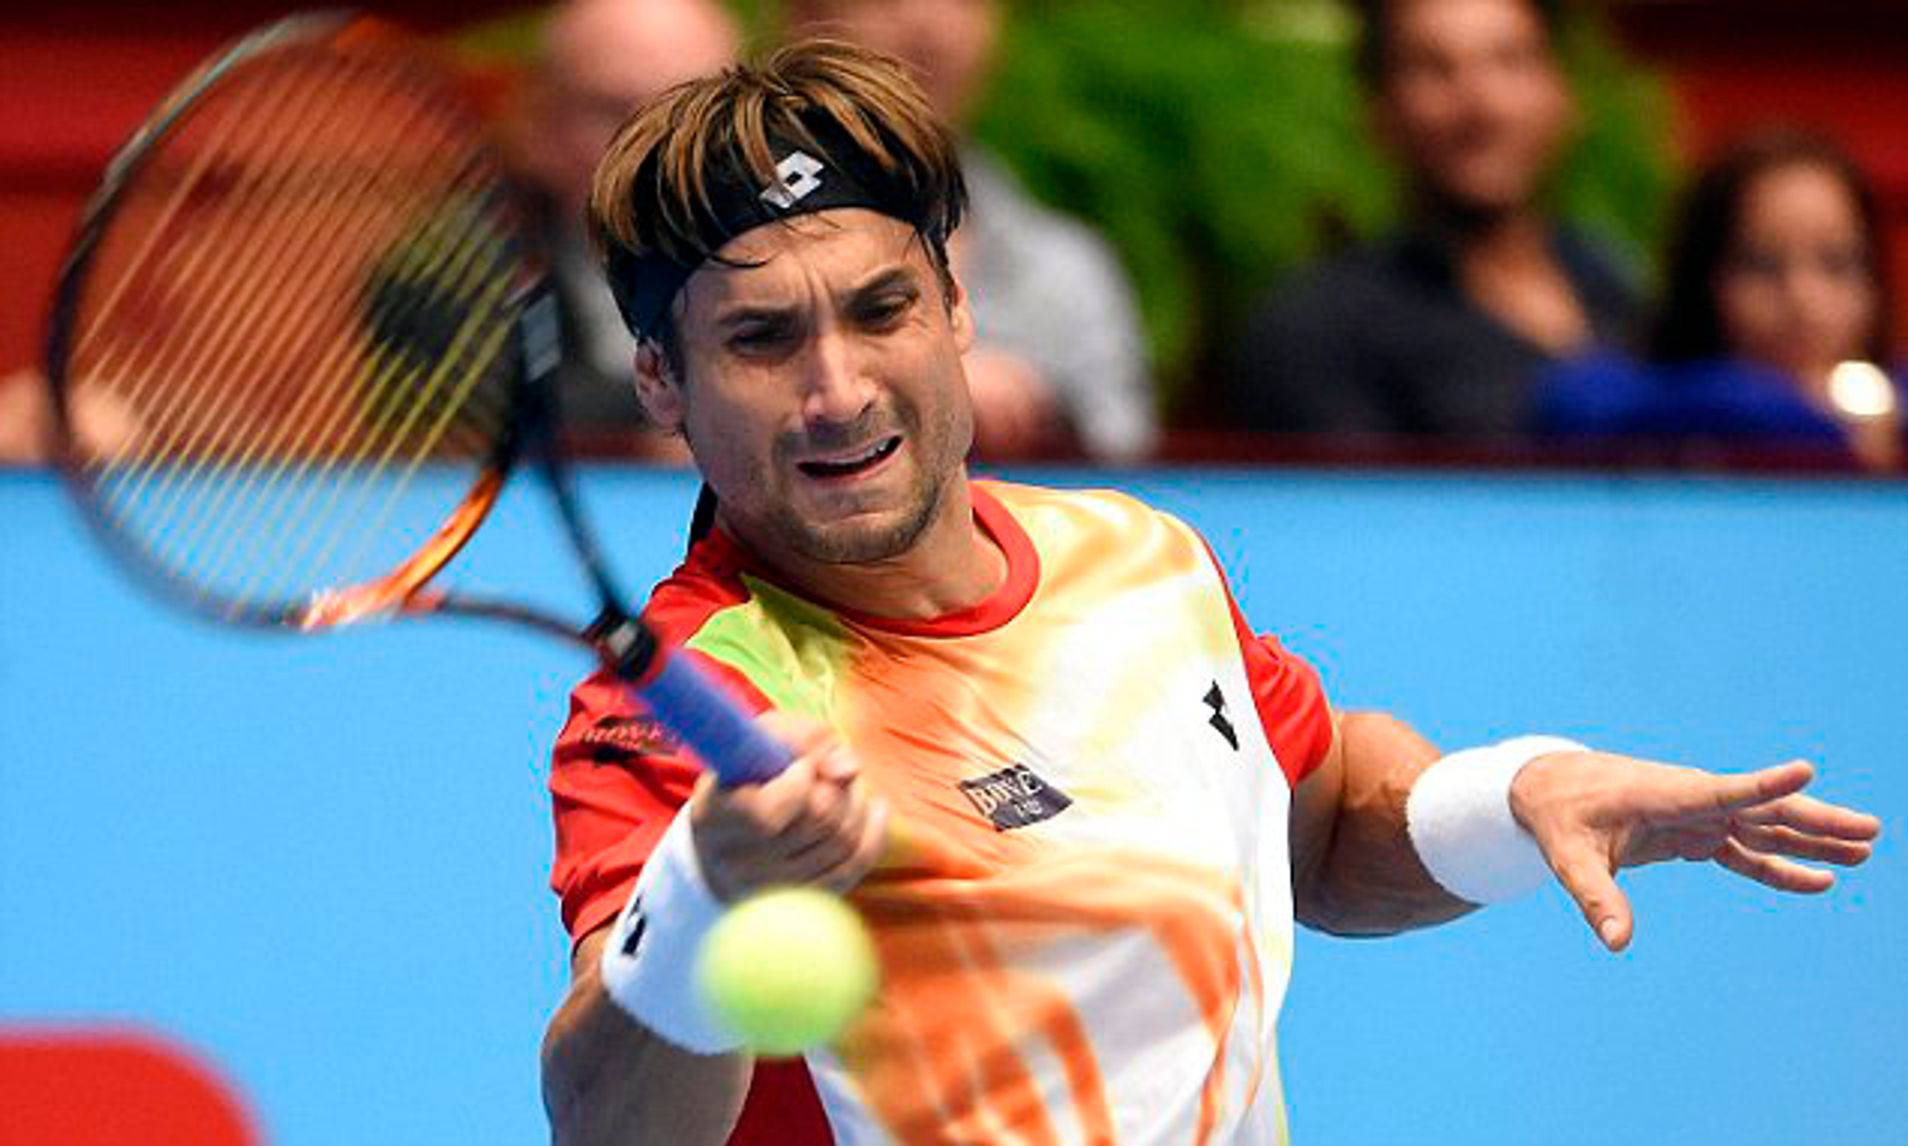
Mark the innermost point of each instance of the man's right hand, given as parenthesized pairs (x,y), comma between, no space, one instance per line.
(816,823)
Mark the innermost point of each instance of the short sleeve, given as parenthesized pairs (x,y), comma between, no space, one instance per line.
(616,781)
(1286,693)
(1290,701)
(1292,706)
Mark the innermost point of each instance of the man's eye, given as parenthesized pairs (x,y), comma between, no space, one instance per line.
(886,311)
(759,338)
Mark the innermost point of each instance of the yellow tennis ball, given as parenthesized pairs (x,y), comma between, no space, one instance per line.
(787,969)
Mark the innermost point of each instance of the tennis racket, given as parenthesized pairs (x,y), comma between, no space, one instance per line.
(302,340)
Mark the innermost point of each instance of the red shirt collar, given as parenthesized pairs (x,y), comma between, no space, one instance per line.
(724,552)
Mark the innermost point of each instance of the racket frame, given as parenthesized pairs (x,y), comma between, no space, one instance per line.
(678,693)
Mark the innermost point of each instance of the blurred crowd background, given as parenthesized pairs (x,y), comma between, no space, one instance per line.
(1490,232)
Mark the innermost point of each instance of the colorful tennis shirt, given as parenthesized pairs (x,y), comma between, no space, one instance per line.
(1084,916)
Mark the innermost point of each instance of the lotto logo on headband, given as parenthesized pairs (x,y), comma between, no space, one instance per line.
(798,174)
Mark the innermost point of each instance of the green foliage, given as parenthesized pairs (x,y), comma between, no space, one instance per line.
(1200,147)
(1217,144)
(1620,174)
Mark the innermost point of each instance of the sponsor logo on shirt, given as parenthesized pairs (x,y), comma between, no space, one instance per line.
(614,739)
(1015,797)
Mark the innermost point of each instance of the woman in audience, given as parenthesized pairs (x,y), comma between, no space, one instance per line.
(1774,326)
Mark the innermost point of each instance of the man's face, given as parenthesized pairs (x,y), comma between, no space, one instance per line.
(821,389)
(1472,102)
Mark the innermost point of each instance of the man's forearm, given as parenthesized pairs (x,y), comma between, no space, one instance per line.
(608,1080)
(1364,877)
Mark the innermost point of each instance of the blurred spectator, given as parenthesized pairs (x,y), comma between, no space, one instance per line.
(101,423)
(599,61)
(1440,328)
(24,414)
(1030,273)
(1774,326)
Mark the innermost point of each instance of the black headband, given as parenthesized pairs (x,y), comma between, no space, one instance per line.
(821,174)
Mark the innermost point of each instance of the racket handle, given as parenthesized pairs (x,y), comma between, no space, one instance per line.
(693,708)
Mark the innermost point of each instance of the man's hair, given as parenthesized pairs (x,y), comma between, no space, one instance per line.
(1690,324)
(660,190)
(1376,36)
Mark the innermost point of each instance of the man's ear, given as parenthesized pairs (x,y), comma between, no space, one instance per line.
(958,314)
(657,387)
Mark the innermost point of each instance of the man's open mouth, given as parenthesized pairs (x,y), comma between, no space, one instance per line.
(850,464)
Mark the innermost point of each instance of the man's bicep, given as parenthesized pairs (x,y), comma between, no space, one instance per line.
(1315,803)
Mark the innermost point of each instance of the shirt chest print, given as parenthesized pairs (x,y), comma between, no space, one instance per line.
(1014,797)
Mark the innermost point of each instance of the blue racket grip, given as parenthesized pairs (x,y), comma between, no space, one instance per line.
(693,708)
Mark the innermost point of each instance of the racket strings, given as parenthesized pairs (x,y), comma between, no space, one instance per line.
(421,423)
(224,411)
(149,248)
(251,288)
(308,305)
(189,418)
(240,178)
(213,277)
(135,358)
(293,450)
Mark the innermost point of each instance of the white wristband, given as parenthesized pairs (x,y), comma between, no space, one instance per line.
(1459,818)
(649,963)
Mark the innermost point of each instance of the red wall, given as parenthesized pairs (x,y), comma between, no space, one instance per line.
(75,80)
(70,100)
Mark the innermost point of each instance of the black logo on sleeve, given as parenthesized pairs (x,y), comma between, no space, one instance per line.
(1216,701)
(635,924)
(1015,797)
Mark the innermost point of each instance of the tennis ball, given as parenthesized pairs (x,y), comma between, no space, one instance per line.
(787,969)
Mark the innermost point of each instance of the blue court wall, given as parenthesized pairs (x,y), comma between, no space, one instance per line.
(321,863)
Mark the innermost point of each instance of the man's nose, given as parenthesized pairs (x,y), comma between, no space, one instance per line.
(838,386)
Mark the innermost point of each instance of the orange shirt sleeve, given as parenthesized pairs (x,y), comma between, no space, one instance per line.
(1292,706)
(616,780)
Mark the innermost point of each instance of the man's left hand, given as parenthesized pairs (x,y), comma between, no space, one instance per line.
(1593,813)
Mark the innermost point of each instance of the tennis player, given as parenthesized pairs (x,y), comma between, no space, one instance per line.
(1078,801)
